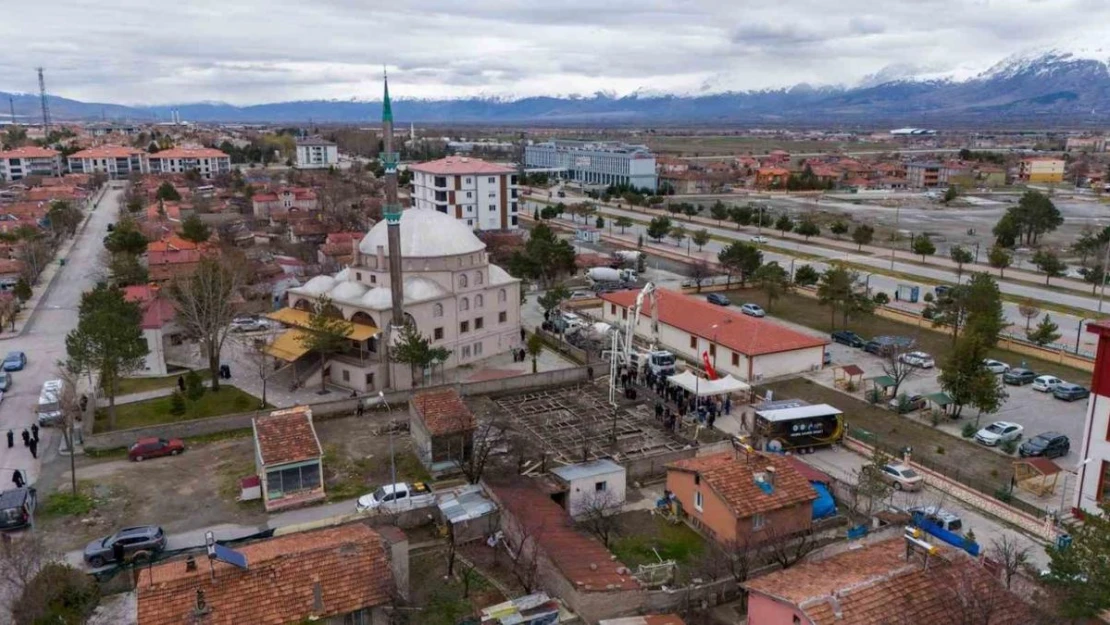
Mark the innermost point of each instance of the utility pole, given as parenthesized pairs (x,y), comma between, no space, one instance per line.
(45,108)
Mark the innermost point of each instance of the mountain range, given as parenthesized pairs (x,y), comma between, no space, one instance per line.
(1057,87)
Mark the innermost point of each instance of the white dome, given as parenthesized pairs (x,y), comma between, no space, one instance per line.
(498,275)
(425,233)
(348,292)
(343,275)
(419,289)
(377,298)
(318,285)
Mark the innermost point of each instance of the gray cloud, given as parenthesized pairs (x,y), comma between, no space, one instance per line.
(247,51)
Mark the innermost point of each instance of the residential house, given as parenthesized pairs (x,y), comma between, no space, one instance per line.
(667,165)
(742,497)
(337,250)
(158,324)
(889,581)
(284,200)
(442,429)
(990,176)
(592,488)
(308,231)
(316,153)
(10,271)
(208,162)
(923,175)
(647,619)
(1041,169)
(288,458)
(344,575)
(116,161)
(771,177)
(687,182)
(480,194)
(19,163)
(1086,144)
(174,256)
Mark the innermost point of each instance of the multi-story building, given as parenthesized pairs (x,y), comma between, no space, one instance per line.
(1093,482)
(480,194)
(29,161)
(209,162)
(284,200)
(316,153)
(115,160)
(1047,169)
(598,163)
(1086,144)
(923,175)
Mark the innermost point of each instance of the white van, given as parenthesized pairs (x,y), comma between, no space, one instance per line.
(49,409)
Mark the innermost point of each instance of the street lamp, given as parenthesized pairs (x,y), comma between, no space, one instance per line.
(894,239)
(392,463)
(1064,491)
(1079,333)
(715,346)
(976,252)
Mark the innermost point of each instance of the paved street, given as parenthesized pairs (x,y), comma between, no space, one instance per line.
(43,340)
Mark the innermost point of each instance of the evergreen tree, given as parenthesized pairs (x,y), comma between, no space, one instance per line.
(784,224)
(700,238)
(1000,259)
(193,229)
(1050,264)
(862,235)
(773,280)
(923,247)
(326,333)
(806,275)
(740,258)
(838,228)
(1045,333)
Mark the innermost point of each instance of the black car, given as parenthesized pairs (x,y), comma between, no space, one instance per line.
(127,542)
(718,299)
(17,508)
(847,337)
(942,290)
(1019,377)
(1048,445)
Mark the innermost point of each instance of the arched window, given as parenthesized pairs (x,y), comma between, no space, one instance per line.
(462,280)
(502,296)
(437,310)
(478,278)
(464,304)
(479,301)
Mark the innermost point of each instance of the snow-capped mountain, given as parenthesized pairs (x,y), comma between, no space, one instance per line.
(1052,85)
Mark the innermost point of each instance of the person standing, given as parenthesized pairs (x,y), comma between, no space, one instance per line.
(11,439)
(34,446)
(17,478)
(35,432)
(26,438)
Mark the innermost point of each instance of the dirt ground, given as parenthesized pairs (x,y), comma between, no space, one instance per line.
(445,600)
(198,488)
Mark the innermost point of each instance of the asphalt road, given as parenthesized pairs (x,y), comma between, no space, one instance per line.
(43,340)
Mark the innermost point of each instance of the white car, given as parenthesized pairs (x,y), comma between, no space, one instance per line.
(572,320)
(753,310)
(918,359)
(996,366)
(759,238)
(999,432)
(1046,383)
(577,295)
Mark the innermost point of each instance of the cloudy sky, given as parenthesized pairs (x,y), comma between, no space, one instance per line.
(252,51)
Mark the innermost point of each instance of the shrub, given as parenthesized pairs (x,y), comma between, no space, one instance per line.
(58,593)
(194,386)
(1009,447)
(935,416)
(928,297)
(177,404)
(851,387)
(968,431)
(882,299)
(940,450)
(874,396)
(1003,494)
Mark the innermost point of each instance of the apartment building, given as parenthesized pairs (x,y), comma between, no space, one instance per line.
(115,160)
(481,194)
(316,153)
(29,161)
(1045,169)
(209,162)
(1093,480)
(923,175)
(596,162)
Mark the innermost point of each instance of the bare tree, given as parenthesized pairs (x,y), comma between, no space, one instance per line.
(20,561)
(525,557)
(973,596)
(72,413)
(9,308)
(788,548)
(254,349)
(895,367)
(36,254)
(1010,555)
(870,488)
(598,513)
(699,272)
(488,436)
(1029,310)
(205,305)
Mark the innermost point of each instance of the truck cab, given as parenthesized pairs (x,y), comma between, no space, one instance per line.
(396,497)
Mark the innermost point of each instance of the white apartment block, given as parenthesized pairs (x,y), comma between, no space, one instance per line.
(480,194)
(595,162)
(316,153)
(209,162)
(115,160)
(29,161)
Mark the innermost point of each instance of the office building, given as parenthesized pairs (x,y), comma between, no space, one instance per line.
(595,163)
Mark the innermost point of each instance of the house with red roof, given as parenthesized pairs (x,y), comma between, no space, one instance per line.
(771,177)
(208,162)
(174,256)
(749,348)
(158,323)
(117,161)
(284,200)
(31,160)
(288,458)
(481,194)
(338,249)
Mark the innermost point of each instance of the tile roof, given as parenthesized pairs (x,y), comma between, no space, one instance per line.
(747,335)
(157,310)
(733,479)
(456,165)
(647,619)
(189,153)
(876,585)
(286,436)
(107,151)
(348,564)
(581,559)
(30,151)
(443,411)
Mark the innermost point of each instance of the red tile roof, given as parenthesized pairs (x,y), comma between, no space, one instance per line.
(733,479)
(876,585)
(443,412)
(107,151)
(30,151)
(461,165)
(581,559)
(157,310)
(740,333)
(10,266)
(347,566)
(189,153)
(286,436)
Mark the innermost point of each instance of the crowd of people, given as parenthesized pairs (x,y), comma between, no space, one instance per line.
(673,402)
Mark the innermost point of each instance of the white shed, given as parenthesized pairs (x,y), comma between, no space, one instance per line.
(592,487)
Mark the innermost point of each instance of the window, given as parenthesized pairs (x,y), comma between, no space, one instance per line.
(346,376)
(735,359)
(697,500)
(693,342)
(512,220)
(599,487)
(758,521)
(358,276)
(437,334)
(624,313)
(502,296)
(469,194)
(464,303)
(492,207)
(462,280)
(468,181)
(437,310)
(479,301)
(283,482)
(360,617)
(373,278)
(1103,493)
(502,317)
(464,327)
(369,380)
(470,222)
(478,279)
(477,349)
(479,323)
(492,180)
(466,351)
(712,350)
(697,479)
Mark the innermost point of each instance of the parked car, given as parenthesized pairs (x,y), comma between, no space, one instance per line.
(15,361)
(250,323)
(935,514)
(1070,392)
(907,403)
(999,432)
(17,508)
(144,538)
(718,299)
(942,290)
(571,320)
(5,381)
(581,295)
(901,477)
(753,310)
(996,366)
(1048,445)
(1019,377)
(759,238)
(827,358)
(154,447)
(918,359)
(885,344)
(1046,383)
(847,337)
(396,497)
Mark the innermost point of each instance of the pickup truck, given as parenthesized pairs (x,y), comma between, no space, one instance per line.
(397,497)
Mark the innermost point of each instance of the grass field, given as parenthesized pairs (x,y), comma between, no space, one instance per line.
(128,386)
(708,145)
(228,400)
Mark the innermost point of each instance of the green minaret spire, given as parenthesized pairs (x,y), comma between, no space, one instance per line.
(387,107)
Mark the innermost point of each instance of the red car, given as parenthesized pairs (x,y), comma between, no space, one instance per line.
(153,447)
